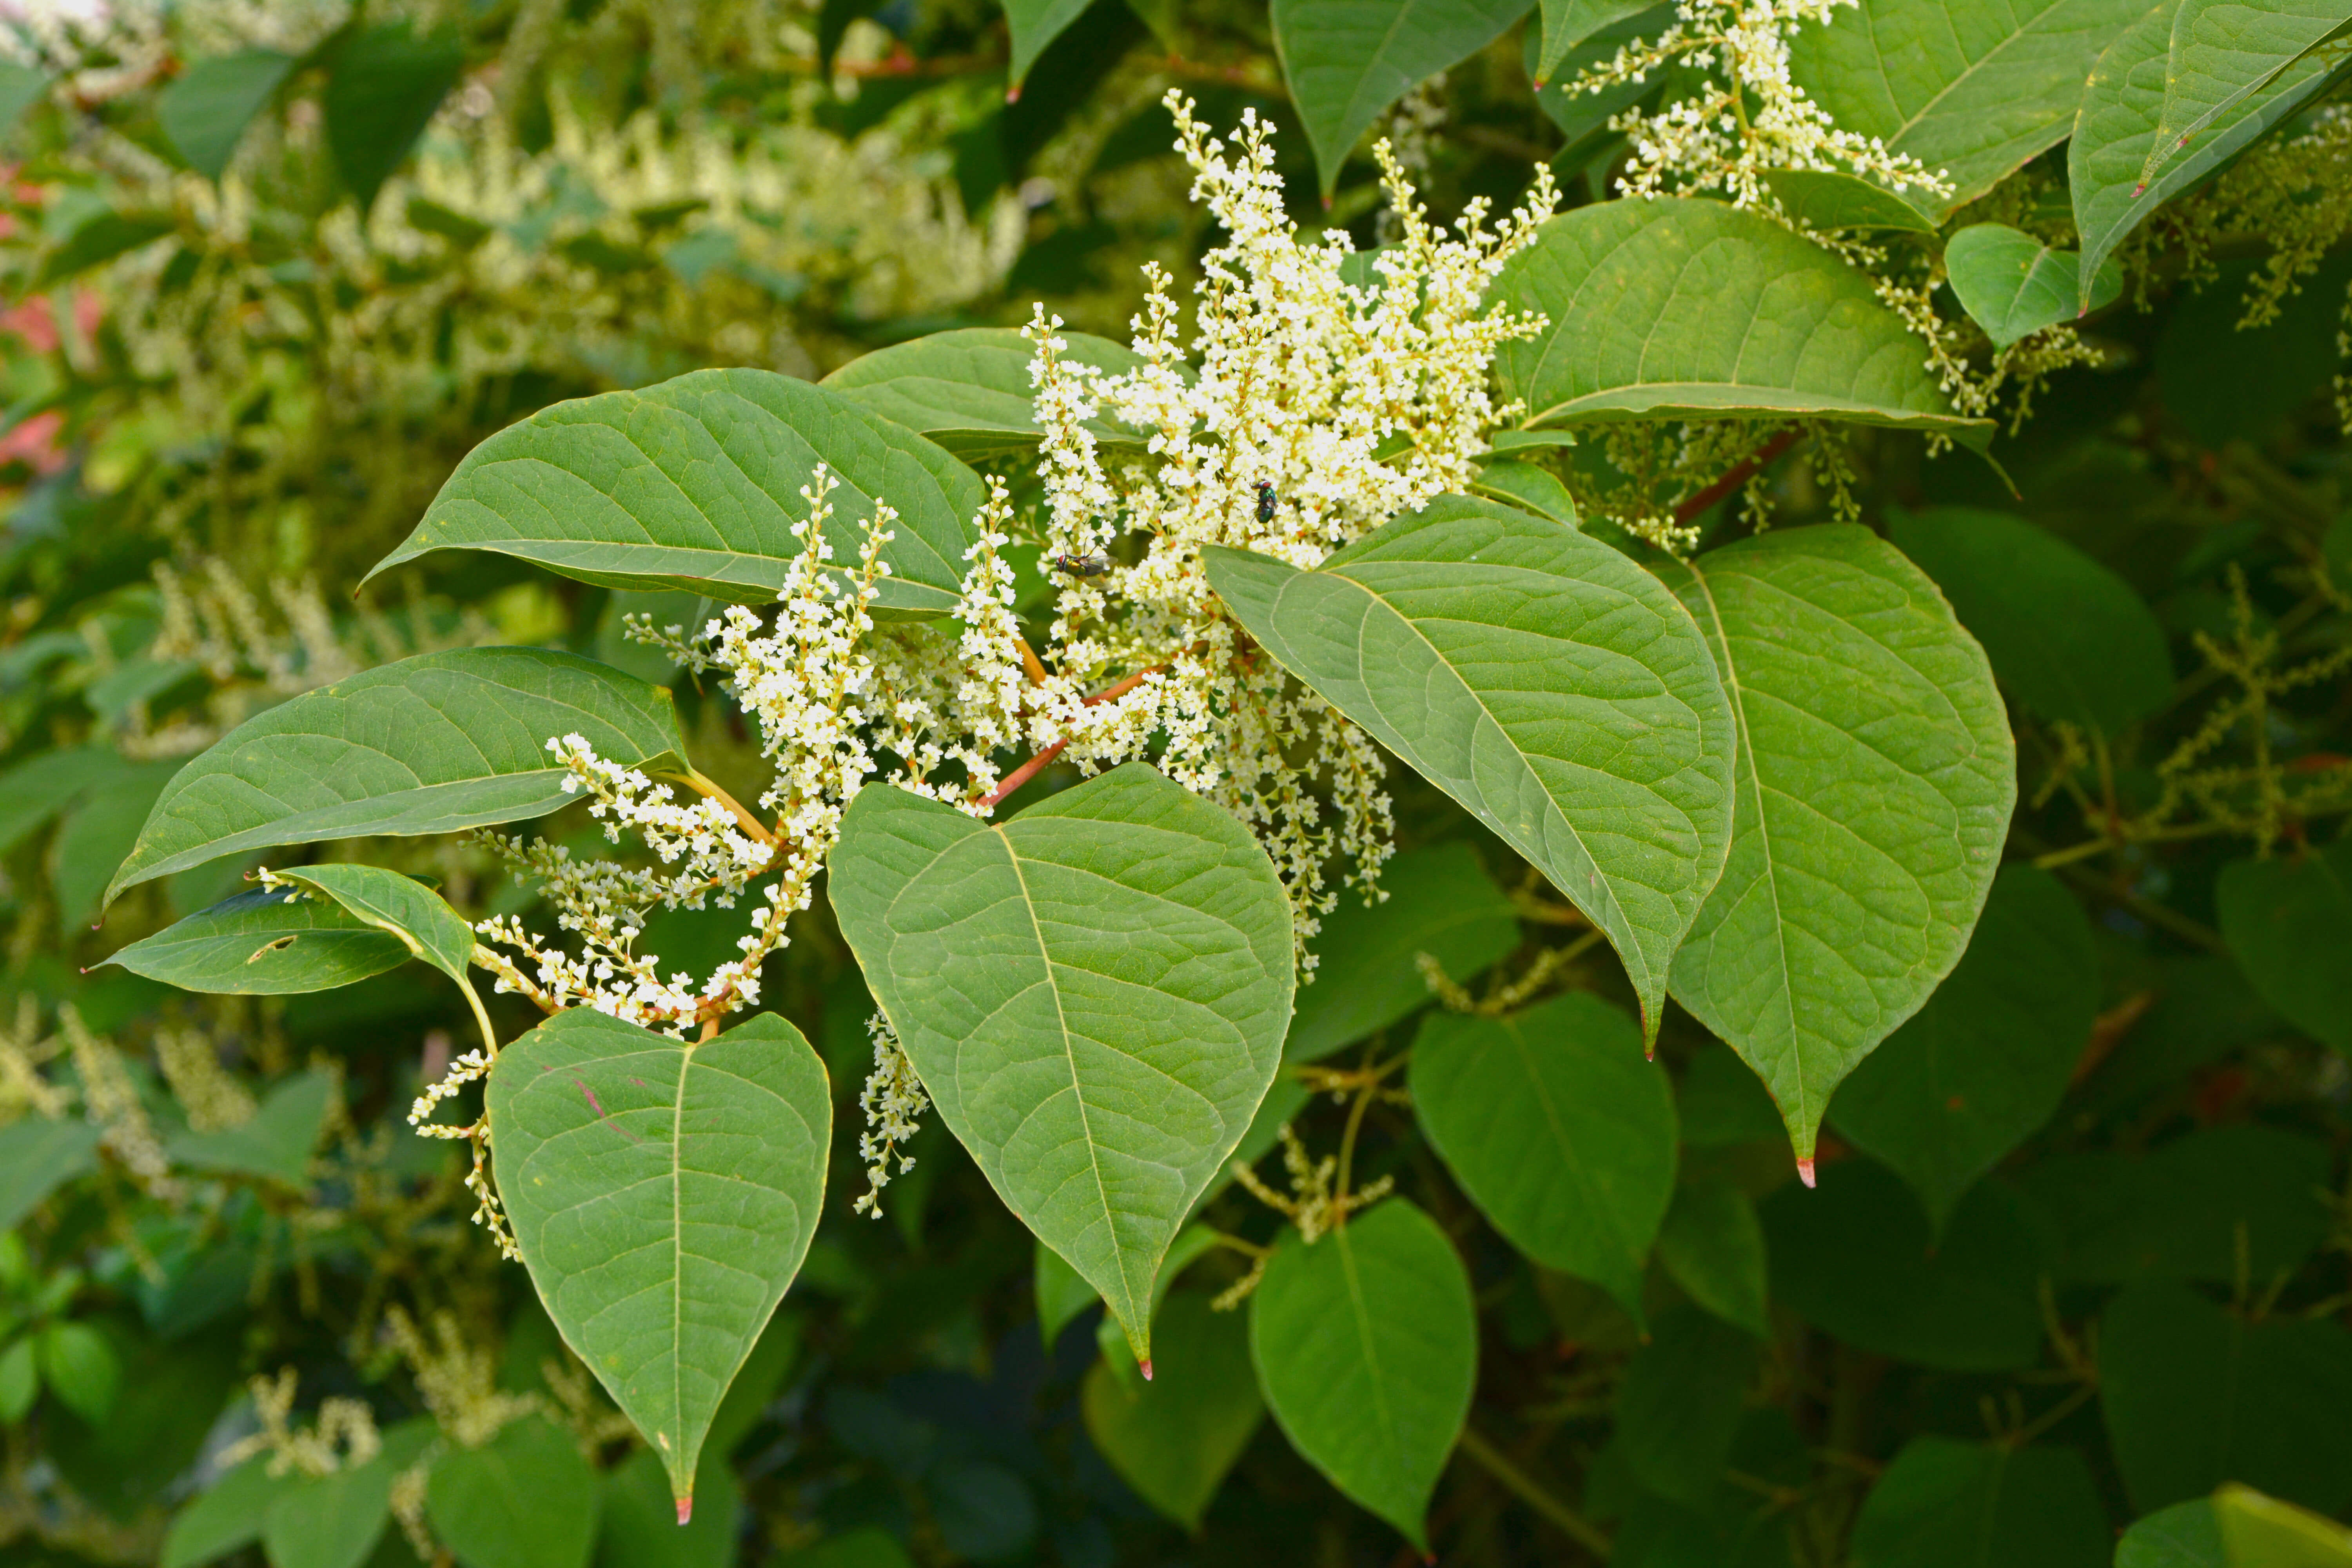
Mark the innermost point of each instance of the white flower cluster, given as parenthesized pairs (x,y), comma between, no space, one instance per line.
(1750,120)
(893,1100)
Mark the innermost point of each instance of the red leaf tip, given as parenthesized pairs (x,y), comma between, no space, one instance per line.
(685,1510)
(1805,1172)
(1144,1366)
(1012,93)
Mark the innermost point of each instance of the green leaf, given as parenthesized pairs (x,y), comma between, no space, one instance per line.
(382,91)
(21,87)
(329,1521)
(1062,1294)
(227,1515)
(524,1499)
(2116,131)
(20,1380)
(2217,1204)
(868,1546)
(1035,24)
(1688,308)
(1825,199)
(2195,1396)
(1583,117)
(1946,1504)
(79,1367)
(1347,60)
(1558,1130)
(1093,993)
(1721,1103)
(2258,1532)
(1567,23)
(1857,1261)
(1973,89)
(36,1157)
(277,1143)
(1174,1438)
(428,744)
(2223,52)
(205,112)
(2067,637)
(96,241)
(969,390)
(637,1525)
(1712,1245)
(1440,902)
(33,792)
(2012,285)
(2186,1535)
(1876,778)
(2289,925)
(1985,1062)
(412,913)
(662,1196)
(98,832)
(695,484)
(1528,487)
(1191,1243)
(1366,1345)
(264,942)
(1679,1407)
(1542,680)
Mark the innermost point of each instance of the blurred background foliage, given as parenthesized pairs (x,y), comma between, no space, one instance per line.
(271,268)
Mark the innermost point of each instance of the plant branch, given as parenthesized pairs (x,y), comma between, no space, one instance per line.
(1739,475)
(1572,1524)
(1038,763)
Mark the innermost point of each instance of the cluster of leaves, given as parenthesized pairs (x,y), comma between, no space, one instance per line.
(1847,1067)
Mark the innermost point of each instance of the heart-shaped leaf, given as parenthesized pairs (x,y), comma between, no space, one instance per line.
(1975,89)
(695,484)
(2288,923)
(1946,1504)
(969,390)
(264,942)
(1983,1064)
(1558,1129)
(1542,680)
(1094,994)
(1347,60)
(1366,1345)
(1875,778)
(1688,308)
(2012,285)
(663,1194)
(1174,1438)
(524,1499)
(428,744)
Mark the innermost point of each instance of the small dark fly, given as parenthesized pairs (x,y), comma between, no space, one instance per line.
(1265,501)
(1081,565)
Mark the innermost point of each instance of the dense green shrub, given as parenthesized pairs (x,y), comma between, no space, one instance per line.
(1610,767)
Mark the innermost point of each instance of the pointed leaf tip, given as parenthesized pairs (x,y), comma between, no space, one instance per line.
(1012,93)
(1805,1172)
(684,1511)
(1144,1366)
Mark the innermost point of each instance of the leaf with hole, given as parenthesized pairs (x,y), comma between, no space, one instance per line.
(694,485)
(1876,778)
(1689,309)
(1093,993)
(1539,678)
(662,1196)
(264,942)
(429,744)
(1366,1345)
(1556,1129)
(2013,285)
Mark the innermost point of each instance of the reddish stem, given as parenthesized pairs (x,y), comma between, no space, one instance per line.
(1739,475)
(1038,763)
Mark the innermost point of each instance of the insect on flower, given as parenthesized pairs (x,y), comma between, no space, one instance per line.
(1082,565)
(1265,501)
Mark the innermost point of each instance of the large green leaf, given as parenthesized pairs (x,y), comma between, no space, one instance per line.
(637,1525)
(2196,1395)
(1876,778)
(1539,678)
(2117,130)
(1567,23)
(969,389)
(1174,1438)
(382,88)
(524,1499)
(662,1196)
(2288,923)
(1973,89)
(226,1516)
(264,942)
(1688,308)
(1983,1064)
(2067,637)
(1947,1504)
(2258,1532)
(21,87)
(2222,53)
(1712,1245)
(2013,285)
(1035,23)
(1347,60)
(1826,199)
(2220,1204)
(1439,901)
(329,1521)
(1093,993)
(429,744)
(276,1143)
(99,831)
(695,484)
(402,907)
(38,789)
(1558,1129)
(1366,1344)
(36,1157)
(2185,1535)
(205,112)
(1679,1405)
